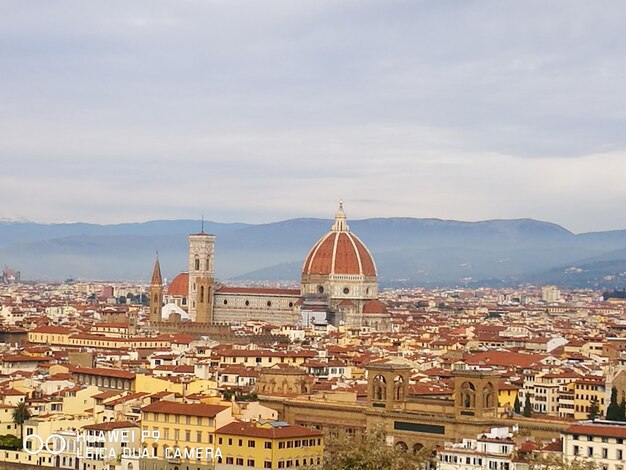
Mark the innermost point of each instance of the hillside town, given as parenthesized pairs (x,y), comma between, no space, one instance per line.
(199,375)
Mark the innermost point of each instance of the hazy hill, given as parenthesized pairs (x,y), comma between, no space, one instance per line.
(407,251)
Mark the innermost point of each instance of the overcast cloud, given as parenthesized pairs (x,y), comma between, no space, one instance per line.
(257,111)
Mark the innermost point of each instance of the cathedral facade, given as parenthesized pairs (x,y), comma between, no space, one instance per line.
(338,286)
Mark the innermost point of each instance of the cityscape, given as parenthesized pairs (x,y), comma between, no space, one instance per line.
(199,374)
(314,235)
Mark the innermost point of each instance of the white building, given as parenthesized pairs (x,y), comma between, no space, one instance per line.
(491,451)
(602,442)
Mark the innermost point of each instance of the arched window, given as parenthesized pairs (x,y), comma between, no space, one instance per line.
(380,388)
(196,263)
(398,388)
(208,264)
(488,396)
(401,446)
(201,294)
(417,447)
(468,395)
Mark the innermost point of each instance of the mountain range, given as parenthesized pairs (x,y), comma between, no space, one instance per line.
(408,251)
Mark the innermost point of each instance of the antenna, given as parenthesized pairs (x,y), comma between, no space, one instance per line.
(202,231)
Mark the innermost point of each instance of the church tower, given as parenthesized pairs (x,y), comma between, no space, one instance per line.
(201,283)
(156,293)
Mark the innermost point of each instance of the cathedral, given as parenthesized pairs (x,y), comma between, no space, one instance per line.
(338,286)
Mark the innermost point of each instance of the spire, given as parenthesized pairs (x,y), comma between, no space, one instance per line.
(340,224)
(156,280)
(202,229)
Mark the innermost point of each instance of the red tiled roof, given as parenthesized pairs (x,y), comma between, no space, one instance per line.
(339,253)
(250,429)
(111,425)
(115,373)
(596,429)
(185,409)
(374,306)
(179,285)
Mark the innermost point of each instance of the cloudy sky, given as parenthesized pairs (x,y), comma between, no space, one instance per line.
(257,111)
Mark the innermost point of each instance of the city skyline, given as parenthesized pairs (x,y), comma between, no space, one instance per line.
(257,113)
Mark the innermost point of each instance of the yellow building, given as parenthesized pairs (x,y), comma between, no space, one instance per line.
(268,444)
(181,434)
(507,393)
(586,391)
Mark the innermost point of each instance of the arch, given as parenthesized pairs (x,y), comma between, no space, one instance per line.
(201,294)
(489,396)
(401,446)
(468,395)
(196,263)
(208,264)
(417,447)
(399,388)
(380,388)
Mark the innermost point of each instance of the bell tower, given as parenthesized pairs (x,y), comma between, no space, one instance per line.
(476,393)
(387,384)
(156,293)
(201,282)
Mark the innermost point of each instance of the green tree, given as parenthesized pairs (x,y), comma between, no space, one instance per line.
(622,409)
(528,408)
(594,409)
(517,406)
(20,414)
(372,453)
(613,411)
(557,462)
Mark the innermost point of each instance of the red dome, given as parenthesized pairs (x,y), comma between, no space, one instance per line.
(179,287)
(339,252)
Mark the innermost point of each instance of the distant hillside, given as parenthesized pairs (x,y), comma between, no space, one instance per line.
(407,251)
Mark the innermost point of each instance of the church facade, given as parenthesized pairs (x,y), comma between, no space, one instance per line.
(338,286)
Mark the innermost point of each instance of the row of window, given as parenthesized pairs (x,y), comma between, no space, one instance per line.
(604,452)
(291,463)
(617,440)
(167,418)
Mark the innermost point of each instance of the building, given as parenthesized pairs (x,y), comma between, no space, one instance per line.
(338,286)
(492,450)
(550,294)
(182,434)
(602,442)
(268,444)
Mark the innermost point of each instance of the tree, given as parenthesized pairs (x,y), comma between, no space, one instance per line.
(545,461)
(517,406)
(594,409)
(613,411)
(372,453)
(20,414)
(622,409)
(528,408)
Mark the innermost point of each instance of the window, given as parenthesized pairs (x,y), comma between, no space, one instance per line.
(250,463)
(576,450)
(240,461)
(251,444)
(198,436)
(240,442)
(229,460)
(605,453)
(267,464)
(620,454)
(268,444)
(589,451)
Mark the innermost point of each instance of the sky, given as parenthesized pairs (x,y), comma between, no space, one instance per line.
(258,111)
